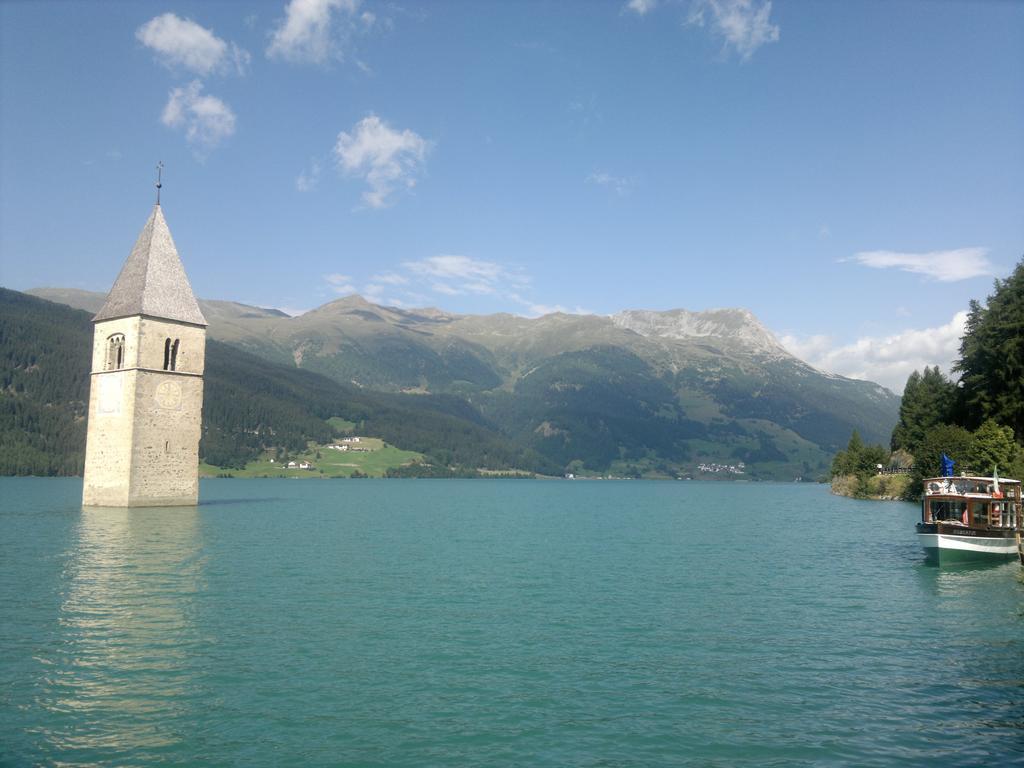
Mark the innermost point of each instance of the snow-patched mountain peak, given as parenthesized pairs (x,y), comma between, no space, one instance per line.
(737,325)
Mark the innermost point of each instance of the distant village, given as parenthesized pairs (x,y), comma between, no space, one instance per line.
(345,445)
(731,469)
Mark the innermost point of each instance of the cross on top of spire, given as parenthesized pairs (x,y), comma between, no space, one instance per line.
(159,179)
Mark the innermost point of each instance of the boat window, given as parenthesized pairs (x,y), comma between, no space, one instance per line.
(945,510)
(979,513)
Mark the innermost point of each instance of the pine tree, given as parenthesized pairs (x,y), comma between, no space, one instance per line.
(991,360)
(928,400)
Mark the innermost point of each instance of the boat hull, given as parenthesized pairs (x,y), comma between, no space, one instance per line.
(951,548)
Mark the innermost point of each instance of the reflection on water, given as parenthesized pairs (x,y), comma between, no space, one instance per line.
(965,580)
(123,676)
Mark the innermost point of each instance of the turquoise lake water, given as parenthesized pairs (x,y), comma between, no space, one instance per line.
(498,623)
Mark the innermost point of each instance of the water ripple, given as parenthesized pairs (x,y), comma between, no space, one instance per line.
(498,623)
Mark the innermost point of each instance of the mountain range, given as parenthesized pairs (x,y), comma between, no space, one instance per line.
(638,392)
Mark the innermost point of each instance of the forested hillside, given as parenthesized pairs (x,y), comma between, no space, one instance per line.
(249,404)
(45,353)
(639,393)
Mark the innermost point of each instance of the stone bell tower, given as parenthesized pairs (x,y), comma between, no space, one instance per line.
(146,390)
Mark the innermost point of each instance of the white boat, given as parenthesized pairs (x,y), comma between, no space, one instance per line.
(971,519)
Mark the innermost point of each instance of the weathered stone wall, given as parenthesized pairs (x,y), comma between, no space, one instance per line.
(165,444)
(191,345)
(108,449)
(127,327)
(144,422)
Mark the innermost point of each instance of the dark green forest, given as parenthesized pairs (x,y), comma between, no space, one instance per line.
(249,404)
(45,354)
(977,421)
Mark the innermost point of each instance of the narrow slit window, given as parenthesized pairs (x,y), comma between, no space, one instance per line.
(174,355)
(167,354)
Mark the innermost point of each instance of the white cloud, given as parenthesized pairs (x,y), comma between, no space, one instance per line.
(454,275)
(620,184)
(206,119)
(341,284)
(386,158)
(390,278)
(888,360)
(444,289)
(308,180)
(743,24)
(187,45)
(292,311)
(374,294)
(539,310)
(641,7)
(308,33)
(420,283)
(944,266)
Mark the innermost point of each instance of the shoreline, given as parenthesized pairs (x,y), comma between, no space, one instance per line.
(871,488)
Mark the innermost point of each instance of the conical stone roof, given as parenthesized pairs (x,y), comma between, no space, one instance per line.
(152,281)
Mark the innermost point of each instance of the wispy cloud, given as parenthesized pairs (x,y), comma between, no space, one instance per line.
(390,278)
(310,31)
(888,360)
(534,309)
(384,157)
(377,294)
(641,7)
(620,184)
(184,44)
(308,180)
(944,266)
(435,279)
(205,119)
(744,25)
(339,283)
(453,275)
(292,311)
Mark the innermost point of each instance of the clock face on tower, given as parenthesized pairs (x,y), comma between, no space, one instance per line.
(168,395)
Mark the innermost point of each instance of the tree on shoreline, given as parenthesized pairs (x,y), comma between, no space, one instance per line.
(859,459)
(991,368)
(929,399)
(978,421)
(991,363)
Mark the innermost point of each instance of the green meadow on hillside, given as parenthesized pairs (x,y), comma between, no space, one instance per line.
(373,461)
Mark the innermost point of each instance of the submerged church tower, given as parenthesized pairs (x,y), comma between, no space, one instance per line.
(146,391)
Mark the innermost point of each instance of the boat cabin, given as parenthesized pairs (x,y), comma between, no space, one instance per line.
(973,502)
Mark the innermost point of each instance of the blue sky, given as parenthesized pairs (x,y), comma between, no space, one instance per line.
(853,173)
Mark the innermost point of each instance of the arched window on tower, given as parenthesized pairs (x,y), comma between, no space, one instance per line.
(115,352)
(174,355)
(167,354)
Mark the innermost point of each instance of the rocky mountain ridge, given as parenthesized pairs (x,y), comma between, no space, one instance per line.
(737,325)
(639,389)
